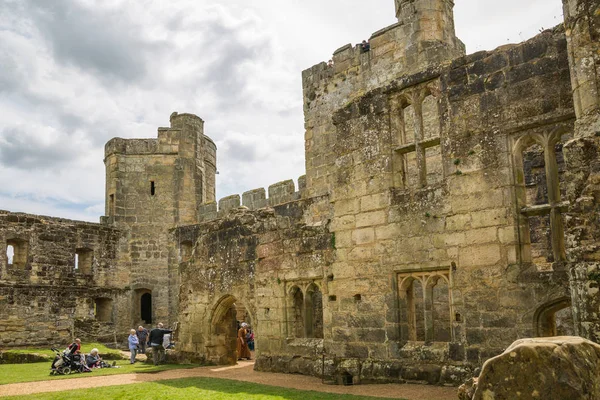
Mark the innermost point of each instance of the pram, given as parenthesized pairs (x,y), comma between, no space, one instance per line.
(64,363)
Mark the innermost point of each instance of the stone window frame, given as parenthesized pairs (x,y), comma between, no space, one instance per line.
(103,309)
(20,253)
(84,260)
(414,96)
(555,207)
(407,322)
(303,286)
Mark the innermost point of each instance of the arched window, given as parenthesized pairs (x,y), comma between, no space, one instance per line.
(417,128)
(314,312)
(425,307)
(297,312)
(539,170)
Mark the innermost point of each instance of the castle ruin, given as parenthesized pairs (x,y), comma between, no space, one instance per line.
(450,205)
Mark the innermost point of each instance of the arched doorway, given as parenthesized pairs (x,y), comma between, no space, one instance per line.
(141,307)
(226,317)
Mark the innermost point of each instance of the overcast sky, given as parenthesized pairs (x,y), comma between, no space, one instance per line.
(75,73)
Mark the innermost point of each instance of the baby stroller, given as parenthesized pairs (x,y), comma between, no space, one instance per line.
(64,363)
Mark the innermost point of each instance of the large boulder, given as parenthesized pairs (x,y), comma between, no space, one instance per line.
(552,368)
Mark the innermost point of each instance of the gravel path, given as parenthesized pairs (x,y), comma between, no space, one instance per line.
(241,372)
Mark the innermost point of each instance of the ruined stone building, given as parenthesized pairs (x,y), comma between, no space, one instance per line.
(450,205)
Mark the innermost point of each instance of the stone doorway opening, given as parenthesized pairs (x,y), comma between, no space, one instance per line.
(142,307)
(227,316)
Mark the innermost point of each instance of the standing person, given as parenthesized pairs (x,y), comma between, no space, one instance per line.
(242,345)
(133,344)
(142,334)
(250,339)
(155,340)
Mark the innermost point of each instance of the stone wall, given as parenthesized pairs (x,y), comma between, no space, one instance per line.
(42,298)
(250,261)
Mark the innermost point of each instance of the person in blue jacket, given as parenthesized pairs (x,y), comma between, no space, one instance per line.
(133,344)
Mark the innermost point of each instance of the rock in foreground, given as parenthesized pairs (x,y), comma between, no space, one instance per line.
(553,368)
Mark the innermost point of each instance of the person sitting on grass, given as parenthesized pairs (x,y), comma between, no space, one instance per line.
(93,360)
(134,343)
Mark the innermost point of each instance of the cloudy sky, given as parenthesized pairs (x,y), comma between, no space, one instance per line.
(75,73)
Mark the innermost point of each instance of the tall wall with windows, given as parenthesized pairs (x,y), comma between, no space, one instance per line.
(458,192)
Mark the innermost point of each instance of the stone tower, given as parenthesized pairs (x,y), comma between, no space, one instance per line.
(152,186)
(429,27)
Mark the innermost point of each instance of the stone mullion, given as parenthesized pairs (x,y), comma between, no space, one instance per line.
(556,224)
(419,137)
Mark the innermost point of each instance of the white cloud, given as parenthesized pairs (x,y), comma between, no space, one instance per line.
(76,73)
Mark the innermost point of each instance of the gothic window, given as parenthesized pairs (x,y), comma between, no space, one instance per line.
(314,312)
(296,317)
(424,306)
(305,311)
(416,123)
(16,252)
(539,169)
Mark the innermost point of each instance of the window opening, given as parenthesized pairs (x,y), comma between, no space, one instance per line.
(17,252)
(10,253)
(83,260)
(539,171)
(314,312)
(111,205)
(418,159)
(297,312)
(425,308)
(103,309)
(152,188)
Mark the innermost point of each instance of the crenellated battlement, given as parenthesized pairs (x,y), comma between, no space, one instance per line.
(278,193)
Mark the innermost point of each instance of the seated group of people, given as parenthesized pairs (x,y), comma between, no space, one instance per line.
(90,360)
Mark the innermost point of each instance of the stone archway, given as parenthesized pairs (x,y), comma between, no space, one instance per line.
(221,347)
(554,318)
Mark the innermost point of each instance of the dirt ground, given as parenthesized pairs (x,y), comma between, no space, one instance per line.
(243,371)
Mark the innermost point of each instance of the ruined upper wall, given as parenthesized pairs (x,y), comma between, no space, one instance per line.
(42,292)
(423,38)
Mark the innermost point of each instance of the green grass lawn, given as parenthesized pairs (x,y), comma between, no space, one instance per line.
(85,348)
(193,388)
(14,373)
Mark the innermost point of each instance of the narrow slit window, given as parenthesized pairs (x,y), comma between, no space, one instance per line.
(152,188)
(76,262)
